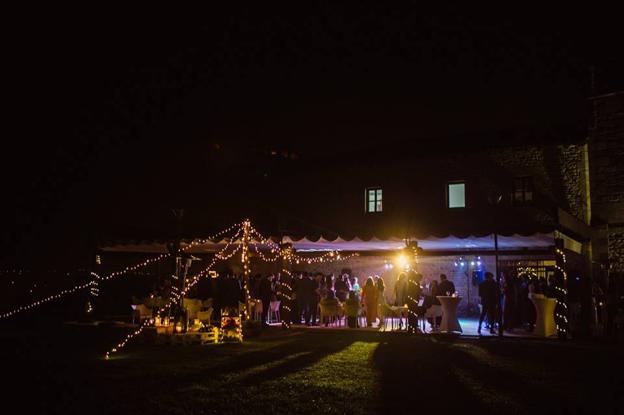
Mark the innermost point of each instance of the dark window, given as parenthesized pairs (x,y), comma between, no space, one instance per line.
(456,195)
(522,192)
(373,200)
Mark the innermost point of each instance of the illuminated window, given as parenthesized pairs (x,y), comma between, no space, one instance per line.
(522,192)
(456,195)
(373,199)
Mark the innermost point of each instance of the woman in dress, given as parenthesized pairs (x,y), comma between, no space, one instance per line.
(399,290)
(370,294)
(381,300)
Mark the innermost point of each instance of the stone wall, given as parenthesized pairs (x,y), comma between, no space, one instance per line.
(574,180)
(616,249)
(524,161)
(558,172)
(606,151)
(606,155)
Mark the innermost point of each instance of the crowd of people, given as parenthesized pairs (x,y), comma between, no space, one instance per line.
(303,294)
(509,304)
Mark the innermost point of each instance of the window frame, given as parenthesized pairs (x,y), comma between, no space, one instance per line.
(377,199)
(448,201)
(526,187)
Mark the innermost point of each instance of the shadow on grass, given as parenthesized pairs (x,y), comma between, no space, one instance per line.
(566,377)
(301,373)
(415,376)
(64,370)
(257,366)
(445,374)
(304,371)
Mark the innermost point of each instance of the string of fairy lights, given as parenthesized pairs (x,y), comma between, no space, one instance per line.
(292,257)
(45,300)
(410,310)
(246,263)
(160,257)
(285,291)
(263,240)
(173,300)
(218,256)
(561,310)
(412,299)
(250,237)
(275,248)
(562,318)
(95,286)
(94,283)
(530,271)
(264,257)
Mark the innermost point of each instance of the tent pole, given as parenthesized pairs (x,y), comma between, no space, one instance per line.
(246,262)
(498,282)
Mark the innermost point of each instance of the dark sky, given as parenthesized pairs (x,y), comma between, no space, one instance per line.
(113,107)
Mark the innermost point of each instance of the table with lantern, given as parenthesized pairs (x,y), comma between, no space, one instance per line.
(164,325)
(173,332)
(449,323)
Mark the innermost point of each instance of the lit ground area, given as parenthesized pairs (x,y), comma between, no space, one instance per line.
(309,371)
(469,327)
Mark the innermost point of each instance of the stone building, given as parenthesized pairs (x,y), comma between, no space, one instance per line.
(533,192)
(539,191)
(606,141)
(453,204)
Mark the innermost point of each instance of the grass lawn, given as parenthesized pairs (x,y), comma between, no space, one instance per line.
(308,371)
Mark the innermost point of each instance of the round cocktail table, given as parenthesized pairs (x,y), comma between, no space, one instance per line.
(449,313)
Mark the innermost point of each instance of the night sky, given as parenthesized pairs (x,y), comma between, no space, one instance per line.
(121,115)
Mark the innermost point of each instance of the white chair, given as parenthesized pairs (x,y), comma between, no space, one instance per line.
(192,306)
(274,311)
(433,313)
(362,317)
(256,310)
(205,315)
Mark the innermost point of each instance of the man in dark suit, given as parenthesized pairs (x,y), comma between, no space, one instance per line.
(489,293)
(309,290)
(446,287)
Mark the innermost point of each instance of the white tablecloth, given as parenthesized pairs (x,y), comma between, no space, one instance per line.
(449,313)
(544,315)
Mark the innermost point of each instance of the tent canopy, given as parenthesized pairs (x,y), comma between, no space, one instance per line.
(536,241)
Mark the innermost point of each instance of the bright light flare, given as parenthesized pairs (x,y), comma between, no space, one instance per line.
(403,262)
